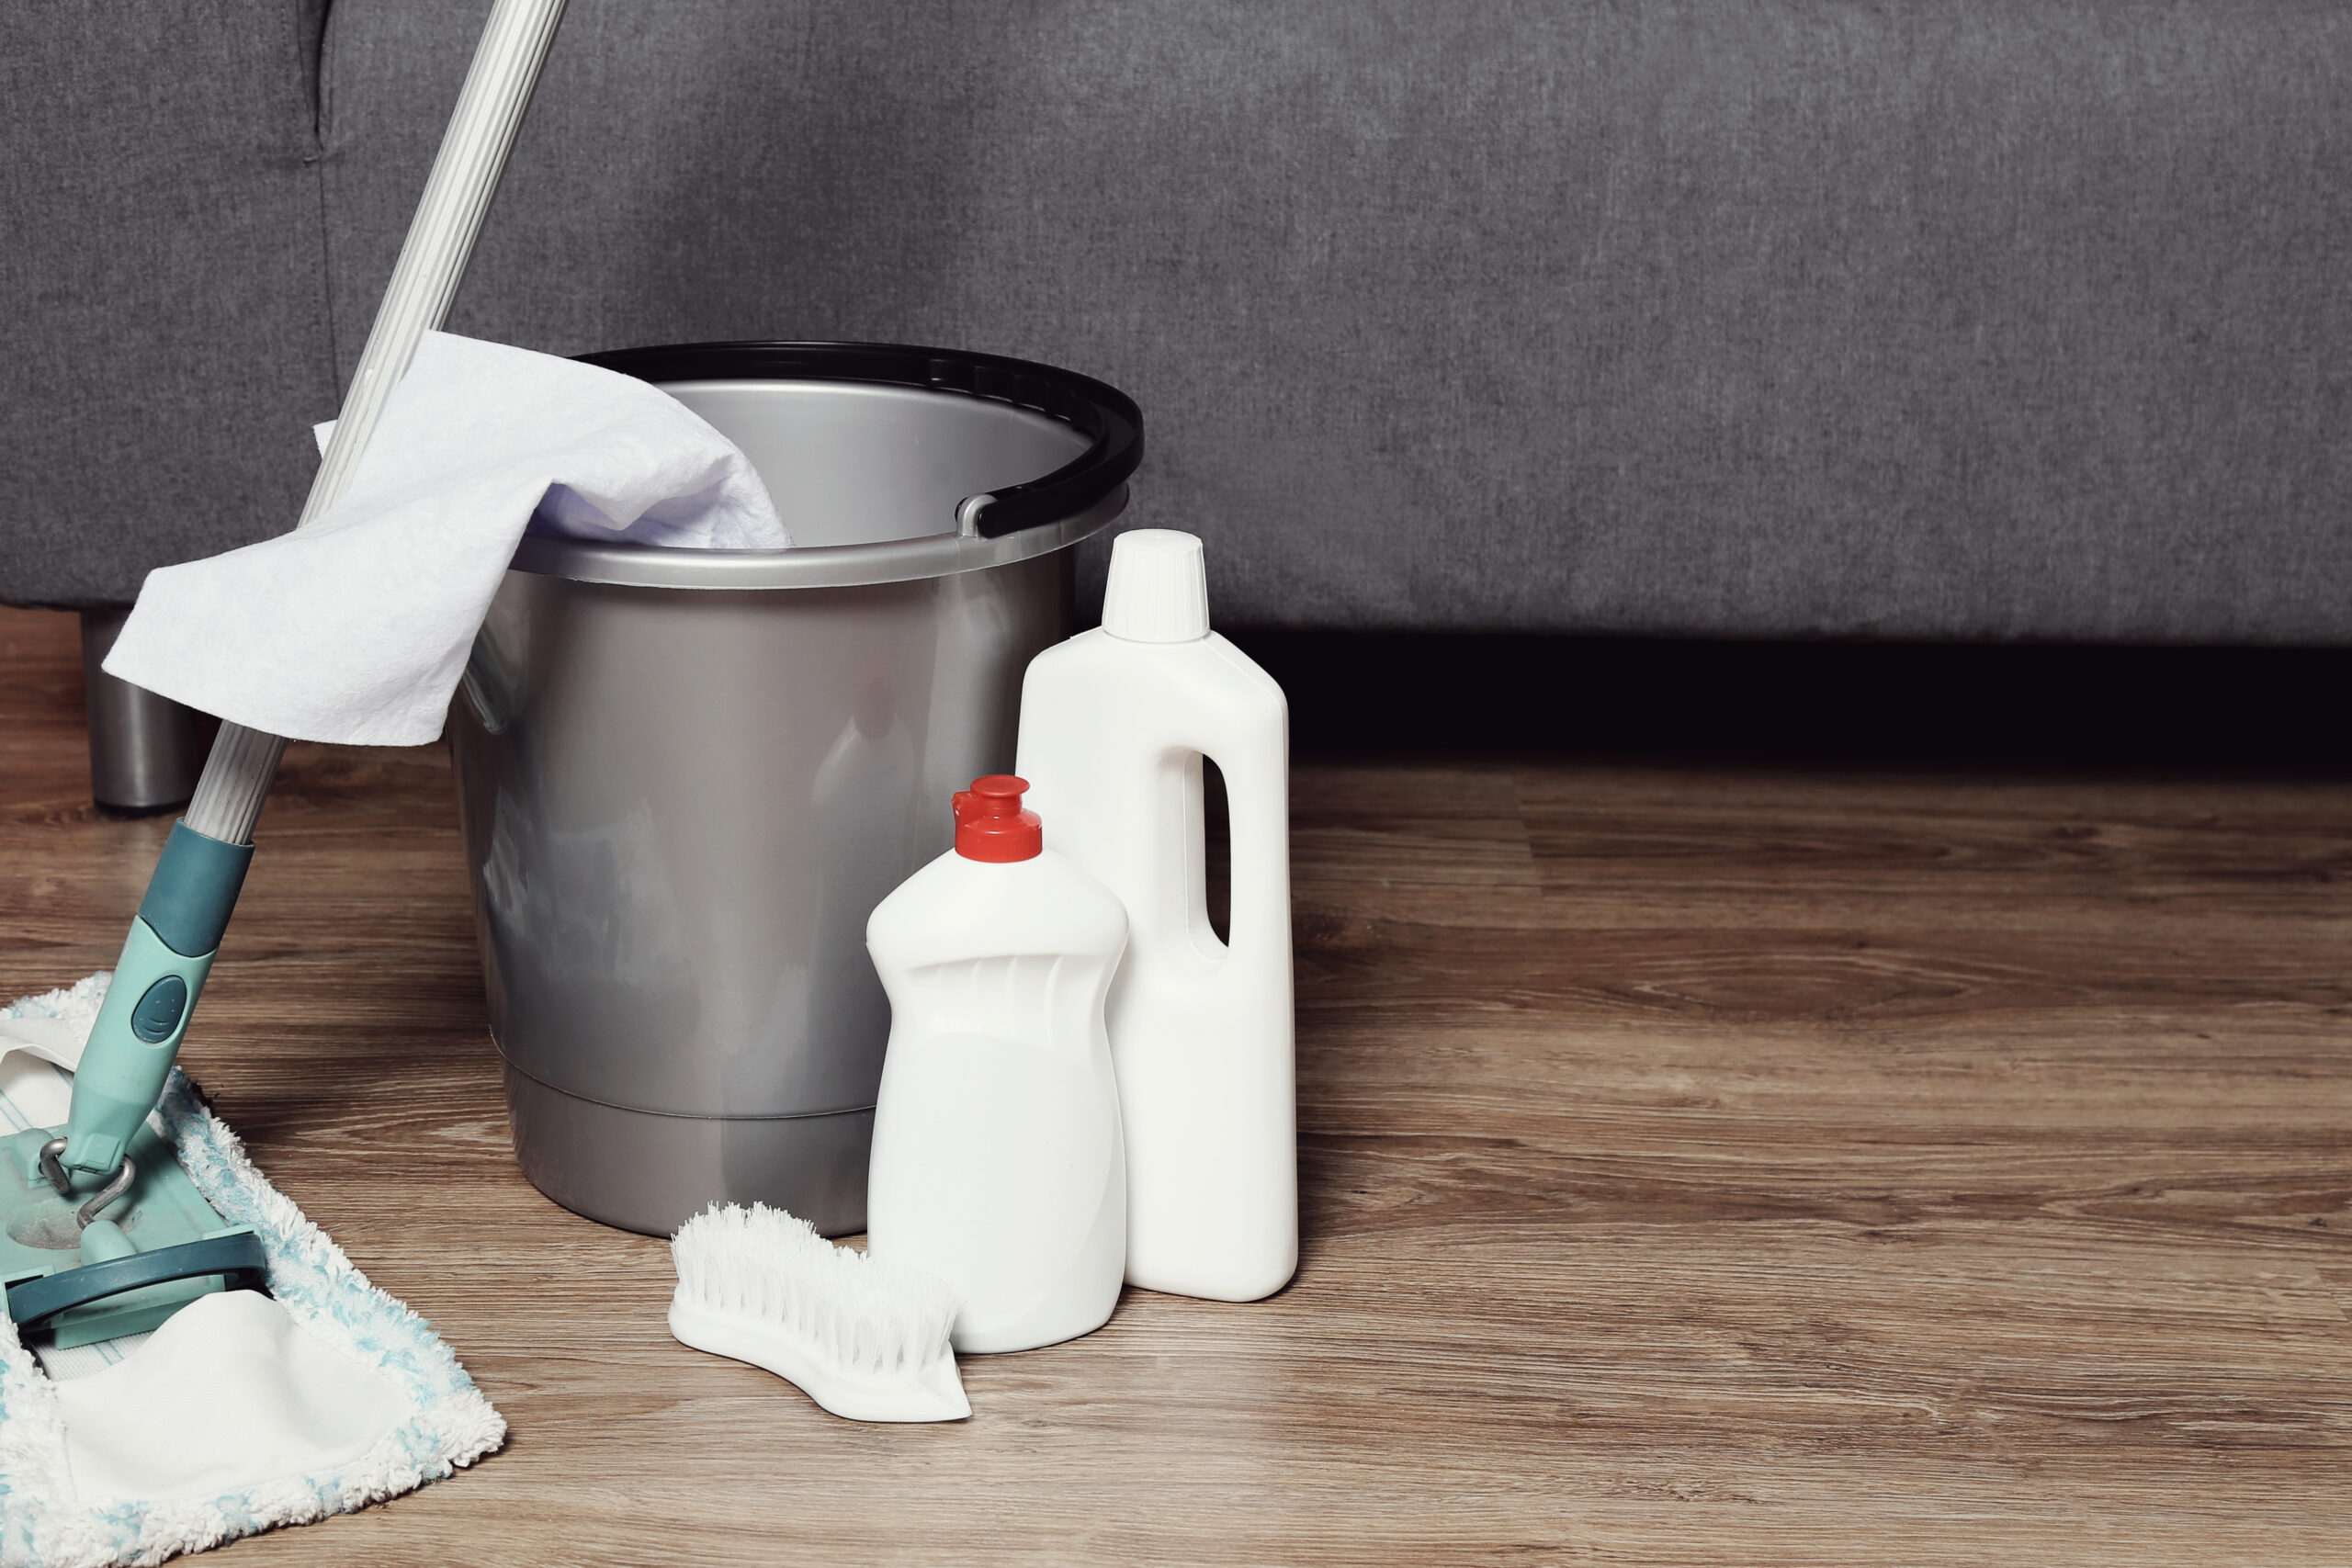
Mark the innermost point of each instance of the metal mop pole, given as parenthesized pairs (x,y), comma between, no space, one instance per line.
(195,885)
(238,774)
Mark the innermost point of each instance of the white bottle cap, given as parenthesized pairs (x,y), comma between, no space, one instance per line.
(1159,590)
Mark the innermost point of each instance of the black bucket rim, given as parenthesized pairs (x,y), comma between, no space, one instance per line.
(1019,522)
(1107,417)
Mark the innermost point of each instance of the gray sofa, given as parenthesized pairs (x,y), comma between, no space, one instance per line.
(1919,319)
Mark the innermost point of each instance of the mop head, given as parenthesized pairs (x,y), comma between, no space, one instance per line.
(865,1338)
(240,1412)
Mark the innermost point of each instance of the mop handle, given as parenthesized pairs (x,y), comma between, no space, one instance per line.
(238,773)
(195,884)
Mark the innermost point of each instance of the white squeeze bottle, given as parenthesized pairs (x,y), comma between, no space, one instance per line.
(1113,726)
(997,1161)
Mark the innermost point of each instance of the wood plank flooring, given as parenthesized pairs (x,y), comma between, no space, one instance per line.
(1700,1165)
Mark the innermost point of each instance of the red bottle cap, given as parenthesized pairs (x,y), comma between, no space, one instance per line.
(990,824)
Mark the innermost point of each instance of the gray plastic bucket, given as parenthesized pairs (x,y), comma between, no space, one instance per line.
(687,777)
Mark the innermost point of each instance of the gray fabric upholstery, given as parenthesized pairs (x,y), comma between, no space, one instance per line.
(164,329)
(1925,319)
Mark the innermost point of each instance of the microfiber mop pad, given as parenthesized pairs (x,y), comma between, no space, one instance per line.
(241,1413)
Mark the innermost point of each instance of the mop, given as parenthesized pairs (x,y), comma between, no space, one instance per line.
(176,1405)
(140,1240)
(240,1412)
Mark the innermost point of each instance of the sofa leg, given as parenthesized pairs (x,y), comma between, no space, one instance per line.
(145,750)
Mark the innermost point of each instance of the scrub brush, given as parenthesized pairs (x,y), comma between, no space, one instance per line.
(864,1336)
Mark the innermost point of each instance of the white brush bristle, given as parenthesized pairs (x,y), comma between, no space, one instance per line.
(863,1316)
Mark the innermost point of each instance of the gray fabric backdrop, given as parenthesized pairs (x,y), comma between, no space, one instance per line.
(1921,318)
(162,287)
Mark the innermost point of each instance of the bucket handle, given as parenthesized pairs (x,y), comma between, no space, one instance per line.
(1107,417)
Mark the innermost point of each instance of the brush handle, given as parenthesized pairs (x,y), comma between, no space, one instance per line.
(120,1064)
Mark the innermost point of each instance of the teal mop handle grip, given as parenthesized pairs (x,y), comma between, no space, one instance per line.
(139,1026)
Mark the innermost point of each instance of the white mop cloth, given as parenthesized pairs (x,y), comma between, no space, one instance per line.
(241,1412)
(357,628)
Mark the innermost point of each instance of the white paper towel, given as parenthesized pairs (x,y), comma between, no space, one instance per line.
(357,628)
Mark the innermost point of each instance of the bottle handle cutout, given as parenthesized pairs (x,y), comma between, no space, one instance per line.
(1257,859)
(1188,770)
(1257,844)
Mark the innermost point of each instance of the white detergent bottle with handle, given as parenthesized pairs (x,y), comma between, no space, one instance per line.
(1113,726)
(997,1160)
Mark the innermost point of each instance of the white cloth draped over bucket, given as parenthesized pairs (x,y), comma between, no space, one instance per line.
(357,628)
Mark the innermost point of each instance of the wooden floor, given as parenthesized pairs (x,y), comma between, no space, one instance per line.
(1701,1166)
